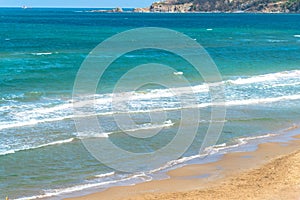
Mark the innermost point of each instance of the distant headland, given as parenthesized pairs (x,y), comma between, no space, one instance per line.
(234,6)
(216,6)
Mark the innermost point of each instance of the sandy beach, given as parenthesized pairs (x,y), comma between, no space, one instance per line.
(270,172)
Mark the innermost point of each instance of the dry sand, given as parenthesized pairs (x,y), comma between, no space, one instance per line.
(270,172)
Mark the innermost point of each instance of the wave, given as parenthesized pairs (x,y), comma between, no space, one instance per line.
(241,102)
(212,150)
(141,177)
(156,100)
(276,40)
(262,101)
(178,73)
(24,97)
(148,126)
(266,77)
(37,147)
(239,142)
(42,53)
(297,36)
(147,176)
(141,127)
(31,122)
(246,102)
(286,84)
(105,175)
(202,88)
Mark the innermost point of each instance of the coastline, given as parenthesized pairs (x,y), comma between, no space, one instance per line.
(269,171)
(188,12)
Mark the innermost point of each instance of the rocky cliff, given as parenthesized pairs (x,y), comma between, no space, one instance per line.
(263,6)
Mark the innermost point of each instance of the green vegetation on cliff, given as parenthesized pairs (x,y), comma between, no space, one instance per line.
(226,6)
(293,5)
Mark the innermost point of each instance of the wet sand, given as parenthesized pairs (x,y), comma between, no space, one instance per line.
(270,172)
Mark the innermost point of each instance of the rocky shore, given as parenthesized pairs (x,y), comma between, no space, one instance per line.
(115,10)
(253,6)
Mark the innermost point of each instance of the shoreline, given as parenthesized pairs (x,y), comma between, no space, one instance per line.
(232,170)
(191,12)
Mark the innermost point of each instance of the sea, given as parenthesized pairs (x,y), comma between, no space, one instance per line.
(42,155)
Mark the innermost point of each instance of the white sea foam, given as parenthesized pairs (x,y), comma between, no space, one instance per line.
(247,102)
(37,147)
(43,110)
(141,177)
(276,41)
(105,175)
(148,126)
(178,73)
(263,100)
(56,142)
(30,122)
(239,142)
(42,53)
(286,84)
(157,100)
(53,118)
(85,135)
(297,36)
(141,127)
(174,163)
(251,101)
(266,77)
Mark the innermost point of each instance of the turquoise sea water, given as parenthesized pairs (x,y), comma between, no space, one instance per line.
(41,50)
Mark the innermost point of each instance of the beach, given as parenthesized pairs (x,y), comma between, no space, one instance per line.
(270,172)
